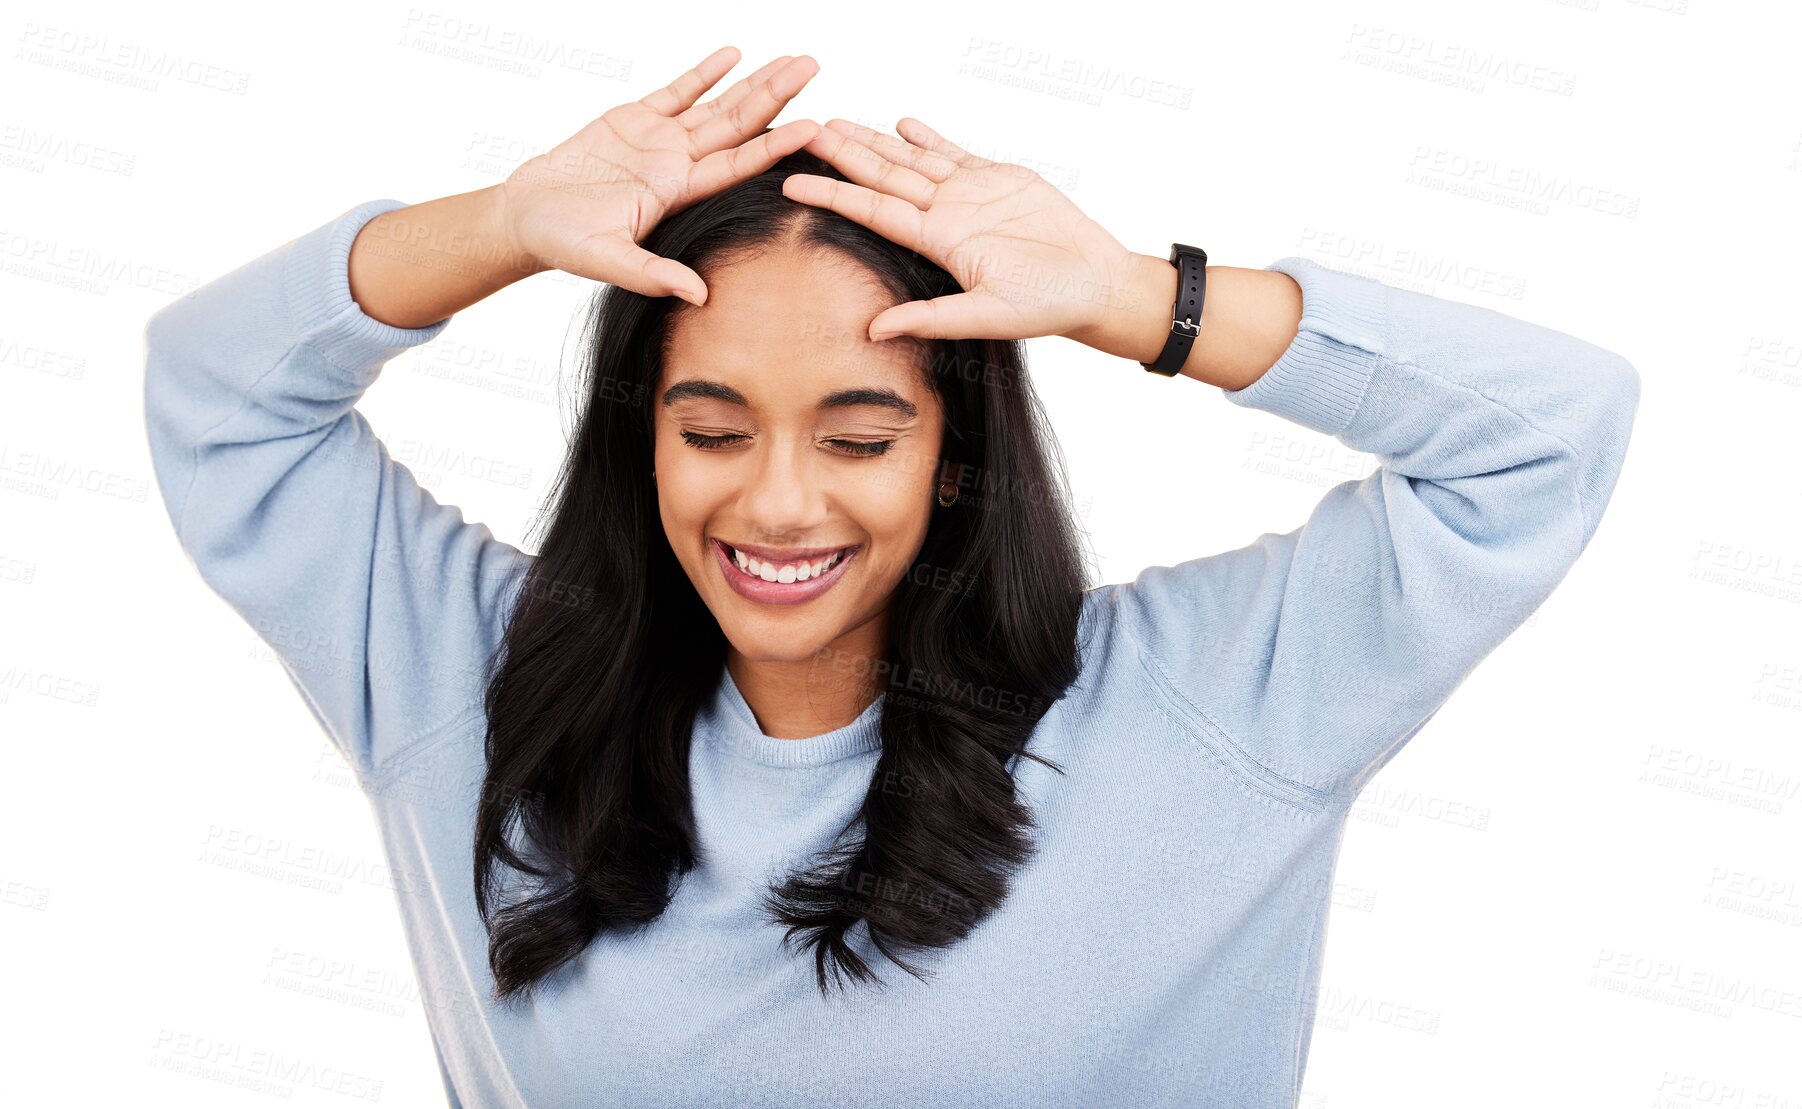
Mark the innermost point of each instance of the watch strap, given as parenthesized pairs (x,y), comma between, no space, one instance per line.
(1191,264)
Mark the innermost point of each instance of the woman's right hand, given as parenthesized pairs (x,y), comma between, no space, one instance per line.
(584,205)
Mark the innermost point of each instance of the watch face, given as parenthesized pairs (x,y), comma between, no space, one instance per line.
(1178,249)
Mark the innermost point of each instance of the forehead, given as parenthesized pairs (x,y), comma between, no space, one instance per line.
(787,324)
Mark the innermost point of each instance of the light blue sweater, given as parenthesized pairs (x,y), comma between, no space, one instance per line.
(1163,945)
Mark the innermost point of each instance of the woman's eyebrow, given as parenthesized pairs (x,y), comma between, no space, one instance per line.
(842,398)
(875,397)
(703,389)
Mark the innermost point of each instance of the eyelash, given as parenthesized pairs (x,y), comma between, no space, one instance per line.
(849,446)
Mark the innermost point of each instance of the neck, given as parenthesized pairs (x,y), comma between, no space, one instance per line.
(801,698)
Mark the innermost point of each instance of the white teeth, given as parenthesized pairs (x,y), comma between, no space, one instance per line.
(787,572)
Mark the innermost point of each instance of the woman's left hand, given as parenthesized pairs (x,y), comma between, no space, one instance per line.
(1029,261)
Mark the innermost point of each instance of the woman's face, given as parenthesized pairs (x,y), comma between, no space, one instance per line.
(784,434)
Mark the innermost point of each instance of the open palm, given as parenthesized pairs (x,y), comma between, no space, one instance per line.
(584,205)
(1030,262)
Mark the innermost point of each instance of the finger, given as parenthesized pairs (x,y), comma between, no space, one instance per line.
(933,167)
(868,167)
(926,138)
(752,112)
(617,260)
(727,167)
(707,109)
(956,316)
(889,216)
(679,94)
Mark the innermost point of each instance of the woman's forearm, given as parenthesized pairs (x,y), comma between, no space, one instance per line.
(1248,319)
(423,263)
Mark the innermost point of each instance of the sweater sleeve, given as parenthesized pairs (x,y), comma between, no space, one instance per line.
(1307,659)
(381,603)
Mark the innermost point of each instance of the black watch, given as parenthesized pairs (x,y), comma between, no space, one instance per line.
(1185,316)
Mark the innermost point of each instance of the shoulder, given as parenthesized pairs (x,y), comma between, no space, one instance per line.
(1169,612)
(1136,724)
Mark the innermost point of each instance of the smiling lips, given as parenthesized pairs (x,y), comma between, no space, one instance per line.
(782,583)
(785,572)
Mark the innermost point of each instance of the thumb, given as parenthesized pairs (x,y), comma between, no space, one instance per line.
(617,260)
(957,316)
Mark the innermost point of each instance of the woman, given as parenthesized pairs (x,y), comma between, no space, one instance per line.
(805,685)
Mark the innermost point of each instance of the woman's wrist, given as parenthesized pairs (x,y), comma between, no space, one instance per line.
(1133,318)
(1248,319)
(417,265)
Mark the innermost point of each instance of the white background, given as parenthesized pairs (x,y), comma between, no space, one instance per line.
(1579,885)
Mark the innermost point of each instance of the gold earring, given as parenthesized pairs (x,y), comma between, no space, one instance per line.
(946,500)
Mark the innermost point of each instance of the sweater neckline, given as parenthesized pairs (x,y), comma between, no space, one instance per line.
(734,729)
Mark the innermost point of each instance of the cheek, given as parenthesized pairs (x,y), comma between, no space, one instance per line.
(685,496)
(902,476)
(895,505)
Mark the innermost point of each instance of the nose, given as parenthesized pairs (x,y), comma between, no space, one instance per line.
(783,499)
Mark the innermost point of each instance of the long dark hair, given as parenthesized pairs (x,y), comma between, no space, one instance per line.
(609,651)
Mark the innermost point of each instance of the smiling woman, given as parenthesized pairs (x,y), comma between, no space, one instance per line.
(805,681)
(778,438)
(812,448)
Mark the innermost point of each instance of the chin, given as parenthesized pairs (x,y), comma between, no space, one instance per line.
(774,640)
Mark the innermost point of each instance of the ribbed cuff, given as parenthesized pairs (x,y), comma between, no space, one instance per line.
(1321,378)
(325,315)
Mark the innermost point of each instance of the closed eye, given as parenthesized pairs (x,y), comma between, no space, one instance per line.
(710,442)
(856,447)
(863,447)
